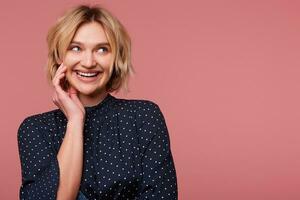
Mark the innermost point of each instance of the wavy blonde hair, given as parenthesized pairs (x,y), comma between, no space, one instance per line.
(62,32)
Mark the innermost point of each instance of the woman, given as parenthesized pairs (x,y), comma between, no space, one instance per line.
(94,146)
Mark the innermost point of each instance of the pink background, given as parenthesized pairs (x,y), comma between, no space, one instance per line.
(224,73)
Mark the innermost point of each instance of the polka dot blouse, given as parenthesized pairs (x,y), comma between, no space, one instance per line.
(127,153)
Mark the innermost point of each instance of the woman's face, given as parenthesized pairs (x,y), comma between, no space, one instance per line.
(88,59)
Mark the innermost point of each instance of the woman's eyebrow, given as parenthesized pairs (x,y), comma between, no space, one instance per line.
(99,44)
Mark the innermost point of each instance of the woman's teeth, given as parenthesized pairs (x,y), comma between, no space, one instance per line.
(87,74)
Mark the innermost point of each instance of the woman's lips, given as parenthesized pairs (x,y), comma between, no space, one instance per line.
(87,79)
(91,71)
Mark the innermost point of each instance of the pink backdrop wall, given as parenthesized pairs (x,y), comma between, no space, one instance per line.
(226,75)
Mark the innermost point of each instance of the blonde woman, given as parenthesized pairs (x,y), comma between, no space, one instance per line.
(94,145)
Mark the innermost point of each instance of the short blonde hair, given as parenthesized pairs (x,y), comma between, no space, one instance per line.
(62,32)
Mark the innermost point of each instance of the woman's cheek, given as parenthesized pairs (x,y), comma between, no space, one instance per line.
(105,61)
(71,60)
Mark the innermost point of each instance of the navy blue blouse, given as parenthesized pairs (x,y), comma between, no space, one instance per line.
(127,153)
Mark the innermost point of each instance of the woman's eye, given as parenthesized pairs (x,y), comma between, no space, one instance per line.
(103,49)
(74,47)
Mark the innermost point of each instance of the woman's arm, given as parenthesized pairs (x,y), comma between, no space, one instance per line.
(70,154)
(159,174)
(39,165)
(70,159)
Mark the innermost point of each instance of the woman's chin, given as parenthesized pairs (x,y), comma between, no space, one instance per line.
(85,90)
(89,91)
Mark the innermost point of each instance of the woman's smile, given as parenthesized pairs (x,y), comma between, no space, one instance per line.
(87,77)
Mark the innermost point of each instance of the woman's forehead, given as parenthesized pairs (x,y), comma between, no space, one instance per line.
(90,34)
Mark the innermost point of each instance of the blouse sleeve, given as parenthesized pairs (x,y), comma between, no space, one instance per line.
(39,164)
(159,174)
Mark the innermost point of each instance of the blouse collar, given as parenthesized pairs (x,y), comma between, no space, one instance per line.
(107,99)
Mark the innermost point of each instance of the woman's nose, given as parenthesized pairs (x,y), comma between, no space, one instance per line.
(88,59)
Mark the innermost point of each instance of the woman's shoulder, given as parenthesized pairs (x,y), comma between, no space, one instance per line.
(142,110)
(41,120)
(137,105)
(49,114)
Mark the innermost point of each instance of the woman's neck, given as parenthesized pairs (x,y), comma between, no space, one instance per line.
(93,100)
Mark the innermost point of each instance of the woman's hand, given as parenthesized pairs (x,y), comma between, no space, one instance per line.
(67,101)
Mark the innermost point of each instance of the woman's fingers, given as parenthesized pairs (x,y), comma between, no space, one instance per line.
(60,70)
(59,93)
(57,79)
(57,84)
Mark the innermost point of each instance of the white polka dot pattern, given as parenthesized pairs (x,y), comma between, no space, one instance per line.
(127,153)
